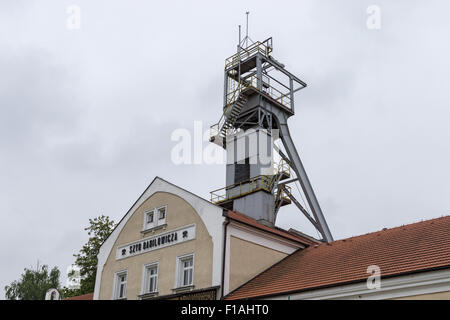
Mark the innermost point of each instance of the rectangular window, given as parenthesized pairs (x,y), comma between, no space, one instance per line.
(151,278)
(150,217)
(120,291)
(186,271)
(162,213)
(155,217)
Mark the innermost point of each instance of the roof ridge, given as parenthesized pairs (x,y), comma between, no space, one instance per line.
(392,228)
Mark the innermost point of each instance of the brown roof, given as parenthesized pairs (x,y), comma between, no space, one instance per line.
(87,296)
(411,248)
(293,235)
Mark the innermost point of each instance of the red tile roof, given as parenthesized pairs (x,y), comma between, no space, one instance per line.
(411,248)
(87,296)
(293,235)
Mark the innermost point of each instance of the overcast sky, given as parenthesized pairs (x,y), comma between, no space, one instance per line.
(86,114)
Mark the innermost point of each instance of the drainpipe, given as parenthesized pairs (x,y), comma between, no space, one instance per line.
(227,221)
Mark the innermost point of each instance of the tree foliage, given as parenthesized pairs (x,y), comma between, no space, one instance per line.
(33,284)
(99,229)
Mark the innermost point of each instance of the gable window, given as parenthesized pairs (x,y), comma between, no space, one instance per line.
(120,288)
(155,218)
(185,271)
(150,278)
(150,216)
(162,215)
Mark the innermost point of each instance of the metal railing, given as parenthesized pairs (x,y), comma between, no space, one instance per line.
(285,190)
(252,82)
(282,167)
(258,183)
(264,48)
(216,128)
(234,90)
(240,189)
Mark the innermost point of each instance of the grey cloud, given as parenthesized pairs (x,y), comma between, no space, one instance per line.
(86,116)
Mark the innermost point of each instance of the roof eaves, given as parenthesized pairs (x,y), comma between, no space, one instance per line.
(333,284)
(267,229)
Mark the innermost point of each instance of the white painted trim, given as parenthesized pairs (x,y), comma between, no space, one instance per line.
(255,236)
(144,274)
(156,219)
(263,238)
(395,287)
(210,214)
(144,226)
(116,275)
(178,271)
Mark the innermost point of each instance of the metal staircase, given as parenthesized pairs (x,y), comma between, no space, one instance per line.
(282,171)
(234,112)
(228,119)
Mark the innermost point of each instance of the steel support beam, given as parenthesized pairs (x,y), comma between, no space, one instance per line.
(281,68)
(300,171)
(284,182)
(303,210)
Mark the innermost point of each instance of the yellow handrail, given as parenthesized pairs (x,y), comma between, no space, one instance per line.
(247,52)
(284,192)
(252,82)
(261,182)
(283,167)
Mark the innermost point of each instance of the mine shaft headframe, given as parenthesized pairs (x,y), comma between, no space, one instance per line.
(254,68)
(255,81)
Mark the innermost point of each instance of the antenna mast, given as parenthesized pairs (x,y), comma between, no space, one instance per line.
(246,31)
(245,41)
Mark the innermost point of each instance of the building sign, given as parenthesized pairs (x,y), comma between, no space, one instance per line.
(162,240)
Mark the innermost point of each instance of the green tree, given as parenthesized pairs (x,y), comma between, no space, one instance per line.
(33,284)
(99,229)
